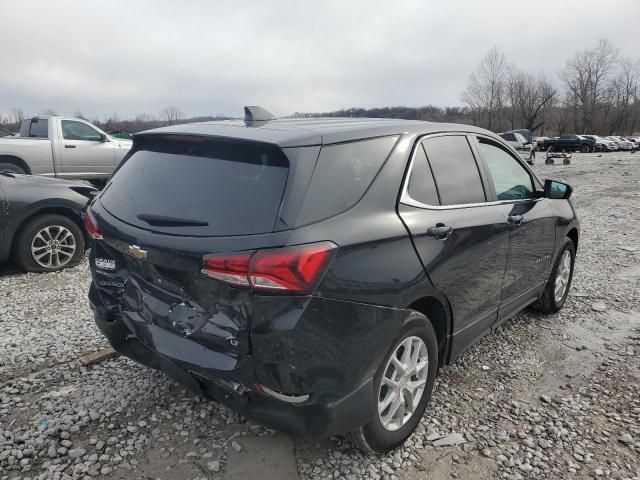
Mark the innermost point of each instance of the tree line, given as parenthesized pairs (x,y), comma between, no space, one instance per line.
(597,91)
(143,121)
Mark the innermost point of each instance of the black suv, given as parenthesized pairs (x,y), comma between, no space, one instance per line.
(314,274)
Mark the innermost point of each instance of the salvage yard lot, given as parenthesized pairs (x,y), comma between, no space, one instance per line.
(542,397)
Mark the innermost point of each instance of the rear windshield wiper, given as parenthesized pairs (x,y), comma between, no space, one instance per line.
(164,221)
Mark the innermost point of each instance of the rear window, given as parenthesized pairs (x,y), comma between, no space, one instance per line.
(35,128)
(343,173)
(510,137)
(455,170)
(195,186)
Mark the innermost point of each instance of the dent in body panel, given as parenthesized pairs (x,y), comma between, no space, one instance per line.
(314,345)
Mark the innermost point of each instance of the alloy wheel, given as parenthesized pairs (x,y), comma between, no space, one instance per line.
(562,276)
(403,383)
(53,246)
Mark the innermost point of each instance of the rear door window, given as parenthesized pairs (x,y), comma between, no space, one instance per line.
(195,186)
(454,169)
(343,173)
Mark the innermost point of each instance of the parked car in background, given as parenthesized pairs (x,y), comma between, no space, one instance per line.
(539,143)
(5,133)
(635,142)
(275,305)
(40,221)
(62,147)
(570,143)
(121,134)
(527,134)
(521,145)
(602,144)
(622,143)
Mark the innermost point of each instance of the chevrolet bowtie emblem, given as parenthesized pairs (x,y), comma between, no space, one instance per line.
(137,252)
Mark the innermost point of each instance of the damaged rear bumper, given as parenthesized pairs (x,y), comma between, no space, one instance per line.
(315,386)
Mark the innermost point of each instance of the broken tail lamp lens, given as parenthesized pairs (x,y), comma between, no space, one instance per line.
(290,269)
(91,225)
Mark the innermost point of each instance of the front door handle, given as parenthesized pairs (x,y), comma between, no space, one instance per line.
(69,146)
(439,231)
(515,219)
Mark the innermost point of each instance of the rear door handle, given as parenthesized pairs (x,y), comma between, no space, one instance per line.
(515,219)
(69,146)
(439,231)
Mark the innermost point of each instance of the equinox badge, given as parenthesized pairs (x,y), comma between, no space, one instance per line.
(137,252)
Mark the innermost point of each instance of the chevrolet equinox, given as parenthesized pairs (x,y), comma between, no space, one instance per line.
(314,274)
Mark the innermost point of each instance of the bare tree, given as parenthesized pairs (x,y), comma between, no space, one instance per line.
(528,95)
(171,115)
(621,95)
(586,76)
(486,88)
(49,111)
(17,115)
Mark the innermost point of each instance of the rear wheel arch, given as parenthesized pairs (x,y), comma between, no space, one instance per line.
(438,314)
(18,162)
(62,211)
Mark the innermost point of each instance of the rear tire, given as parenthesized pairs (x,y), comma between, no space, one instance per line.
(68,250)
(375,437)
(11,168)
(549,302)
(584,148)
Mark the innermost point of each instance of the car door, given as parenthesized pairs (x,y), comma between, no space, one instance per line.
(461,238)
(83,150)
(532,224)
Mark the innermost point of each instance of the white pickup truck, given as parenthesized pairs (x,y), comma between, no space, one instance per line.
(62,147)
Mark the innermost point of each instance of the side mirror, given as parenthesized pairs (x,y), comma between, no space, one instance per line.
(557,190)
(103,138)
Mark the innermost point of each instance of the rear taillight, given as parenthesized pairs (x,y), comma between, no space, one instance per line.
(91,226)
(291,269)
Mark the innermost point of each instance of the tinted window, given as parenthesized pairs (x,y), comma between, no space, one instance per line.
(221,188)
(37,128)
(455,170)
(343,173)
(510,179)
(421,185)
(79,131)
(509,137)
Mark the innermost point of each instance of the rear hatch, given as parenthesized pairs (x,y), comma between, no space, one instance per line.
(172,201)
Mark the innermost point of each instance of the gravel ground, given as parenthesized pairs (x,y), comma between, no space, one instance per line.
(543,397)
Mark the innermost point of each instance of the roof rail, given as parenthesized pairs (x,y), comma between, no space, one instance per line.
(253,113)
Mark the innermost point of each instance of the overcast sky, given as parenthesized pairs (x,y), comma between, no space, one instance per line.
(213,57)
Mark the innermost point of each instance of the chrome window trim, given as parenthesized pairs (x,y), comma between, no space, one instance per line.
(406,199)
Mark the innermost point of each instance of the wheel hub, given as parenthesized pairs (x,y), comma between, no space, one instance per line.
(403,383)
(562,276)
(53,246)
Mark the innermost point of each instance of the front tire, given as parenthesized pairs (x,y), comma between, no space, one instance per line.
(585,148)
(48,243)
(402,388)
(557,289)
